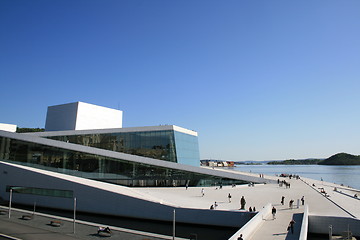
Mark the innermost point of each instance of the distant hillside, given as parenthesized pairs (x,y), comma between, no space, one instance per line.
(296,162)
(341,159)
(337,159)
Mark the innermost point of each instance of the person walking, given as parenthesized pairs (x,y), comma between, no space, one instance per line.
(202,192)
(229,197)
(273,211)
(291,203)
(282,200)
(291,226)
(302,200)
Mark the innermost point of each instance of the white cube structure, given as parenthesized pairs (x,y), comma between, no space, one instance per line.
(81,116)
(8,127)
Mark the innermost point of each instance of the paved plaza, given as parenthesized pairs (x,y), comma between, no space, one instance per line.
(322,198)
(340,203)
(261,194)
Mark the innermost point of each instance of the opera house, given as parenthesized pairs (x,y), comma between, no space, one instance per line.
(85,153)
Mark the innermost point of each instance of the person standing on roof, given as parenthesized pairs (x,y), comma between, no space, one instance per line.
(242,202)
(273,211)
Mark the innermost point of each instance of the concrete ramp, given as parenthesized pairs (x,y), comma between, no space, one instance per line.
(275,228)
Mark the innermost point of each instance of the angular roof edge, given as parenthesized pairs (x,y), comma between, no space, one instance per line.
(114,130)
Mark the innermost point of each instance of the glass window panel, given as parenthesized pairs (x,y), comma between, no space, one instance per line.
(101,168)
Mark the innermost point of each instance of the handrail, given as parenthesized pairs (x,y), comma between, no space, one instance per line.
(251,226)
(304,224)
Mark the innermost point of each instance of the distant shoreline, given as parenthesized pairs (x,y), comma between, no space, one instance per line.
(339,159)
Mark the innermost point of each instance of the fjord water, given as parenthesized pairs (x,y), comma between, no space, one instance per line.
(346,175)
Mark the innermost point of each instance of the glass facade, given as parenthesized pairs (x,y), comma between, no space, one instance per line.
(187,149)
(165,145)
(112,170)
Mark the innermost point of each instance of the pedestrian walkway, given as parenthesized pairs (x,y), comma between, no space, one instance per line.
(260,195)
(276,229)
(333,203)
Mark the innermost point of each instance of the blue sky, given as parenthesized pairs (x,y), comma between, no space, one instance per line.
(258,80)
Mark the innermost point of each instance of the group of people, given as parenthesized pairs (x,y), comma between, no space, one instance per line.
(289,176)
(214,206)
(242,202)
(283,182)
(252,209)
(291,202)
(291,224)
(242,205)
(289,228)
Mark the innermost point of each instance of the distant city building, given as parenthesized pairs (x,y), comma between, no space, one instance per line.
(217,163)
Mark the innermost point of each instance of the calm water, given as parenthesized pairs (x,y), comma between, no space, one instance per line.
(347,175)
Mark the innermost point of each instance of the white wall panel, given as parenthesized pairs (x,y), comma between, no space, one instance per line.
(8,127)
(82,116)
(91,116)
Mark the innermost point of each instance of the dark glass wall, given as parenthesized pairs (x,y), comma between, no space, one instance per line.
(163,145)
(101,168)
(157,144)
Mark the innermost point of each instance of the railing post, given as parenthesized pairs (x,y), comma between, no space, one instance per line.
(34,208)
(10,202)
(174,225)
(74,214)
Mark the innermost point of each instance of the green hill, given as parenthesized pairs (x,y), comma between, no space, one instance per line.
(26,130)
(341,159)
(296,162)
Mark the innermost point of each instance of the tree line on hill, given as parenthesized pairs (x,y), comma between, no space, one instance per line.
(26,130)
(337,159)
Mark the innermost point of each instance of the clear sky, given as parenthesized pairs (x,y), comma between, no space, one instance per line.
(257,79)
